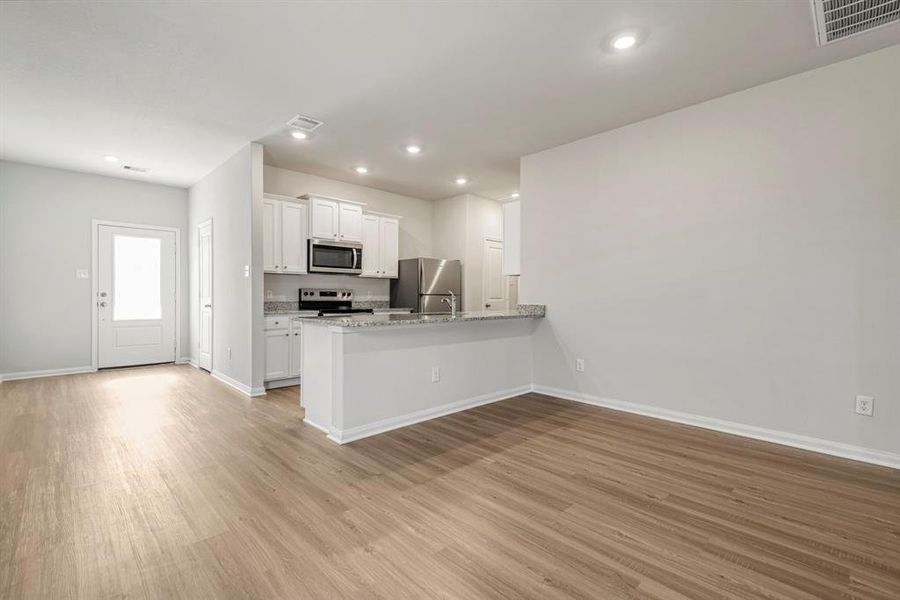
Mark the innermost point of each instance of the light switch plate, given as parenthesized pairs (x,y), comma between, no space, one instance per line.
(82,274)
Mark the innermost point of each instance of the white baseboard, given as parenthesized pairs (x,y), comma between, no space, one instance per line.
(184,360)
(278,383)
(867,455)
(363,431)
(244,389)
(45,373)
(315,425)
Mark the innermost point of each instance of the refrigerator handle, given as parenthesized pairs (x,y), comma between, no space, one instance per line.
(421,275)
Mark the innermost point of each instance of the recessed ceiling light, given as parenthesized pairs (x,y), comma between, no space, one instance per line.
(299,135)
(111,158)
(514,195)
(413,149)
(624,41)
(362,170)
(461,181)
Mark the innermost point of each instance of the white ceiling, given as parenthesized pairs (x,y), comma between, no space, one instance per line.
(179,87)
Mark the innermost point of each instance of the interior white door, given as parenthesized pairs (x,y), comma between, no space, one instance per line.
(293,237)
(136,296)
(494,285)
(205,253)
(390,246)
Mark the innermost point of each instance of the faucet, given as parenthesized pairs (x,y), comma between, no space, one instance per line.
(452,302)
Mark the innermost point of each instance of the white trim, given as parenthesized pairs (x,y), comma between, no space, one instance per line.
(45,373)
(280,383)
(95,224)
(363,431)
(867,455)
(311,196)
(315,425)
(184,360)
(242,388)
(383,214)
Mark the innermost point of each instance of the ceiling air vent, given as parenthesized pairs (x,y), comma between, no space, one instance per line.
(308,124)
(838,19)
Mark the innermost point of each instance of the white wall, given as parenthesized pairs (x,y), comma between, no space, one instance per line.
(738,259)
(415,229)
(461,224)
(45,235)
(227,195)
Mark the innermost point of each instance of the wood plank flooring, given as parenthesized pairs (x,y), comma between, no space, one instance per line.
(161,482)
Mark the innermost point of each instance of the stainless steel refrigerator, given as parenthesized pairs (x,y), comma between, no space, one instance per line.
(422,283)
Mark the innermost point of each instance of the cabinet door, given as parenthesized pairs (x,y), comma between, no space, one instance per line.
(351,222)
(390,246)
(293,237)
(296,349)
(371,258)
(271,236)
(323,218)
(278,354)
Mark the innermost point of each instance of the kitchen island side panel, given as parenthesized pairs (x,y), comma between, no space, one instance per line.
(387,372)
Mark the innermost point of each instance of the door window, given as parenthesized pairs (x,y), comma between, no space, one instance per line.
(136,279)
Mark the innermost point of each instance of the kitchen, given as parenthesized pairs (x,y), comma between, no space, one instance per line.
(412,299)
(348,262)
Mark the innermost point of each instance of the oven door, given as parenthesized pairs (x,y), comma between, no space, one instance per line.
(327,256)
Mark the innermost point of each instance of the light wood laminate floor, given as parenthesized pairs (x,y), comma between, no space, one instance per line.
(161,482)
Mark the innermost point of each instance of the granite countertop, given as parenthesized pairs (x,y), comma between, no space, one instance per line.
(524,311)
(292,313)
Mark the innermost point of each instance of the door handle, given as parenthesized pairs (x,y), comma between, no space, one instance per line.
(102,304)
(207,306)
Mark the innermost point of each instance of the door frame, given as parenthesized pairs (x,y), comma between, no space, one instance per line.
(95,262)
(212,288)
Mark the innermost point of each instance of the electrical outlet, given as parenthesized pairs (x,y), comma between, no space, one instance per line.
(435,374)
(268,294)
(81,274)
(579,365)
(865,405)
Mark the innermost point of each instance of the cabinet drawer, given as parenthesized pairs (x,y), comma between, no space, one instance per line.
(277,323)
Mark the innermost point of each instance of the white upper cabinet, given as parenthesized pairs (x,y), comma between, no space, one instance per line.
(324,218)
(334,219)
(285,227)
(271,235)
(294,227)
(381,245)
(350,222)
(371,259)
(512,237)
(390,246)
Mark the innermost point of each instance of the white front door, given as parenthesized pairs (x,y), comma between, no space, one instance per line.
(495,286)
(136,296)
(204,352)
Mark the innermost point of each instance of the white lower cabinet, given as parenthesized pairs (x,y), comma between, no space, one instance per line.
(278,354)
(284,348)
(296,349)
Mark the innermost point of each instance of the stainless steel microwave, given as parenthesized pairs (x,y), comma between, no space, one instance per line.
(329,256)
